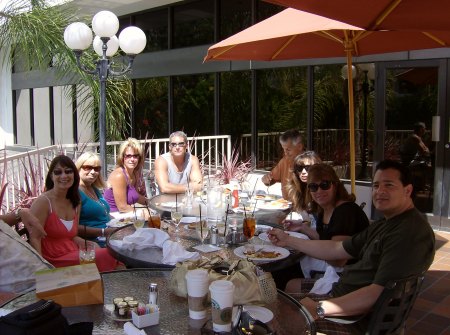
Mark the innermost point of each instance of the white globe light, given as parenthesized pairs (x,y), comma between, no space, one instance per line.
(78,36)
(112,44)
(105,24)
(344,72)
(132,40)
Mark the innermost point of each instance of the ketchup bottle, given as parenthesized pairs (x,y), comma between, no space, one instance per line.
(235,195)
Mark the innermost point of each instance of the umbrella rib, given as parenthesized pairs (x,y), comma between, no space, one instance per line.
(275,55)
(223,51)
(434,38)
(384,14)
(329,35)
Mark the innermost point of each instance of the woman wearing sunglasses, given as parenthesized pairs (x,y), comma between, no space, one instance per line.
(58,211)
(297,190)
(126,183)
(94,213)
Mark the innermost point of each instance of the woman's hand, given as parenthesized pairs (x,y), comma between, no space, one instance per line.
(293,225)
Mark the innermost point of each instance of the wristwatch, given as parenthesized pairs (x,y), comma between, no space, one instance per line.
(320,311)
(17,214)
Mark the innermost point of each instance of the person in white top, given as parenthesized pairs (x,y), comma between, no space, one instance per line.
(178,169)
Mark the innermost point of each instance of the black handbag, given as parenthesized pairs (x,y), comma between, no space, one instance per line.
(41,318)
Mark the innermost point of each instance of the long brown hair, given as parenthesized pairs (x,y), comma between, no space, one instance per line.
(327,172)
(297,189)
(66,162)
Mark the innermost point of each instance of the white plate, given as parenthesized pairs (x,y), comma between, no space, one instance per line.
(169,204)
(265,237)
(257,312)
(239,251)
(117,223)
(248,209)
(273,205)
(263,227)
(188,219)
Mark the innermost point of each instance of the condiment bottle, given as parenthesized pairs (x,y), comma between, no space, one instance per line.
(214,233)
(153,294)
(235,195)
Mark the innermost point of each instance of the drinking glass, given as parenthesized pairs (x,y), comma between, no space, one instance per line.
(249,226)
(202,230)
(176,214)
(138,223)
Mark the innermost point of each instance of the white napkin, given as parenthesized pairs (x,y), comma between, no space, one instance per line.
(130,329)
(143,238)
(324,284)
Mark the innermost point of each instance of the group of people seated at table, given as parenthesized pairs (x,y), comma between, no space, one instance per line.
(339,235)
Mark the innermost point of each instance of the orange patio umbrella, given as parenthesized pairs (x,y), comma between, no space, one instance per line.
(416,15)
(293,34)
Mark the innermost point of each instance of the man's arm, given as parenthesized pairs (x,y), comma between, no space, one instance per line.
(28,219)
(162,178)
(195,177)
(274,176)
(357,302)
(328,250)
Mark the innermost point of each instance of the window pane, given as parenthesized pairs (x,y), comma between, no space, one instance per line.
(154,25)
(194,24)
(235,16)
(151,108)
(194,104)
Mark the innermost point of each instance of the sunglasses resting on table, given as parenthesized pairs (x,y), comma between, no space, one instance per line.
(90,168)
(324,185)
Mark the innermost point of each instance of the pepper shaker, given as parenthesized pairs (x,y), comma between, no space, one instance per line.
(153,294)
(214,233)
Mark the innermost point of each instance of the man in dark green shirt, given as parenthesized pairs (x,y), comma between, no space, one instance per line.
(397,246)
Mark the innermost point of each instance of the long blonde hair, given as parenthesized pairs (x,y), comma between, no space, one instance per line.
(137,148)
(99,182)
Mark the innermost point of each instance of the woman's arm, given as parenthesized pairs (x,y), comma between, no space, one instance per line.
(118,183)
(40,210)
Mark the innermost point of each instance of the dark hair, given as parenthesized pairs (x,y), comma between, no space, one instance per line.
(297,189)
(291,135)
(418,126)
(326,172)
(405,172)
(72,193)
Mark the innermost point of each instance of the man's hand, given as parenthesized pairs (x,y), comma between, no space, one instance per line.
(310,305)
(32,224)
(278,237)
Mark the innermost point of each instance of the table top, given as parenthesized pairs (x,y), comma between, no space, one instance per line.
(152,257)
(290,317)
(263,216)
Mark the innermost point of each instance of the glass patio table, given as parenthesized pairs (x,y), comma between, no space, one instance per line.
(290,317)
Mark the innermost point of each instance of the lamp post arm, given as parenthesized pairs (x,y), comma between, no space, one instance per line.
(127,69)
(78,54)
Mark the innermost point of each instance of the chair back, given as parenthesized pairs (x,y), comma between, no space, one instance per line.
(394,305)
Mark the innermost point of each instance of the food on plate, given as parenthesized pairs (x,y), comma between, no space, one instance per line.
(280,203)
(260,196)
(261,254)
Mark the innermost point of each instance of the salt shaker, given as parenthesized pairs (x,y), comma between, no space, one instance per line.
(214,233)
(153,294)
(233,235)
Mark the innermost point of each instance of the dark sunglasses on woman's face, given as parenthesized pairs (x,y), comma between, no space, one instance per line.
(324,185)
(90,168)
(299,168)
(59,172)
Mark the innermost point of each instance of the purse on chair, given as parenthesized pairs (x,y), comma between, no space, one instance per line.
(252,285)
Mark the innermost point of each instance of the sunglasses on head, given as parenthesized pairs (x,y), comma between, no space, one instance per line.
(324,185)
(179,144)
(90,168)
(299,168)
(128,156)
(59,172)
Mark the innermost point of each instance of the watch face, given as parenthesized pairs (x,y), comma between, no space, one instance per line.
(320,312)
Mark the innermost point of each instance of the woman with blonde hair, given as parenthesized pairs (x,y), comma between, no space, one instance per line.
(126,184)
(94,213)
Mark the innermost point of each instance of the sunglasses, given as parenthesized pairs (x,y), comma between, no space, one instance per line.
(299,168)
(179,144)
(324,185)
(135,156)
(90,168)
(59,172)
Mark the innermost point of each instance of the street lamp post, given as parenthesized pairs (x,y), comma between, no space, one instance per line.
(78,37)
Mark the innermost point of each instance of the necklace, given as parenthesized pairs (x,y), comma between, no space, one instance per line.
(91,194)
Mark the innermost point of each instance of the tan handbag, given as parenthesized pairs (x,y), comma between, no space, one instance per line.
(252,285)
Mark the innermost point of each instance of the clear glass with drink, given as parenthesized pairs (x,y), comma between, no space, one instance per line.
(138,223)
(249,226)
(154,220)
(177,214)
(87,253)
(202,230)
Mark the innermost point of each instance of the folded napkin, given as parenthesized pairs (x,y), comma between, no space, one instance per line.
(130,329)
(324,284)
(143,238)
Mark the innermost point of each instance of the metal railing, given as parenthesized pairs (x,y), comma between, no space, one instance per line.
(23,175)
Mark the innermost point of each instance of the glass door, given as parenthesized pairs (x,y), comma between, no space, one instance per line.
(411,111)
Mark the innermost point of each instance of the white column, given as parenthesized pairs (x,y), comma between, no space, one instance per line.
(6,113)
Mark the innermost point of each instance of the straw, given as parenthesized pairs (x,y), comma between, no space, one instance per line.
(254,187)
(226,219)
(134,210)
(176,202)
(254,208)
(201,223)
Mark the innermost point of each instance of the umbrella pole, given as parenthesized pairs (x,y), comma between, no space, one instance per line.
(351,117)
